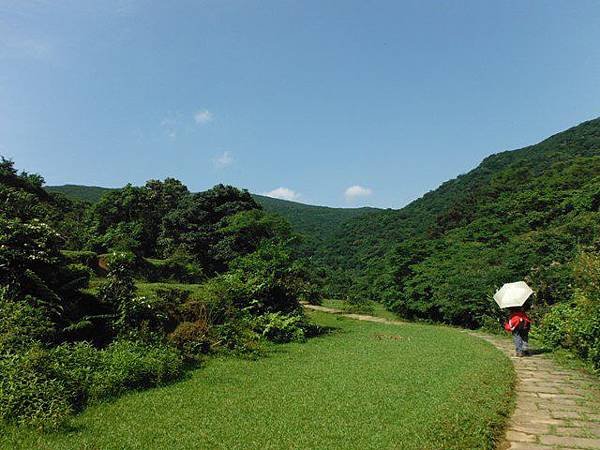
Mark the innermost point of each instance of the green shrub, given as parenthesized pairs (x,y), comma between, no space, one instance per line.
(586,273)
(491,325)
(279,328)
(42,387)
(22,324)
(75,365)
(118,293)
(311,294)
(266,281)
(179,268)
(576,325)
(126,365)
(87,258)
(555,324)
(193,338)
(29,393)
(237,336)
(79,275)
(356,304)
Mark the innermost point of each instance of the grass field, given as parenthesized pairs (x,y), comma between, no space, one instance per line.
(365,385)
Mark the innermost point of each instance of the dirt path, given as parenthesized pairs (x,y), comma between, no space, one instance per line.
(556,408)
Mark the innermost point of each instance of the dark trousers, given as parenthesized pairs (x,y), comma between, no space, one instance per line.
(521,340)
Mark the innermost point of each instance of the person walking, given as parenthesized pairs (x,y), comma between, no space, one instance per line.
(519,325)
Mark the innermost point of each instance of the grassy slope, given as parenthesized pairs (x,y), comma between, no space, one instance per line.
(366,386)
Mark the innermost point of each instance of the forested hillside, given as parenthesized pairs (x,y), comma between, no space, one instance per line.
(316,223)
(523,214)
(91,194)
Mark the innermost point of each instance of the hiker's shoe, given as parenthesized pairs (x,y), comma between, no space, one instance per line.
(520,354)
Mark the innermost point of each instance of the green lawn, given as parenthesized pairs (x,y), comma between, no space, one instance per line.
(366,385)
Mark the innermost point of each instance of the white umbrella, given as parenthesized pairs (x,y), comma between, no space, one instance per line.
(513,294)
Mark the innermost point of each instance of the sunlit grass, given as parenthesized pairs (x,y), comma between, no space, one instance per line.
(366,385)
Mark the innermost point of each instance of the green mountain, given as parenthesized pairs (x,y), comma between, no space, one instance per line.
(89,194)
(318,223)
(522,214)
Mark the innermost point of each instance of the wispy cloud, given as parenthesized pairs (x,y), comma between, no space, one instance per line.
(203,117)
(283,193)
(355,192)
(26,48)
(169,125)
(223,160)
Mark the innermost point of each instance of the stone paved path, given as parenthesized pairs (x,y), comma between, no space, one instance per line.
(556,408)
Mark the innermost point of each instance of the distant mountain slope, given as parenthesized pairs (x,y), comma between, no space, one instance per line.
(89,194)
(519,214)
(316,222)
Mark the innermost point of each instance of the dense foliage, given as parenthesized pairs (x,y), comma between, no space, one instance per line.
(315,223)
(64,345)
(575,324)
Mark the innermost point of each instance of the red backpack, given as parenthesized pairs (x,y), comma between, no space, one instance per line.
(518,321)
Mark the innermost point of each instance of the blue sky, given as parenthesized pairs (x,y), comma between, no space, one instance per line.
(328,102)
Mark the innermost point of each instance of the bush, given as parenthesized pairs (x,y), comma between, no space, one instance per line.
(29,394)
(42,387)
(576,325)
(237,336)
(86,258)
(312,295)
(192,338)
(280,328)
(79,276)
(266,281)
(176,268)
(126,365)
(576,328)
(491,325)
(356,304)
(75,365)
(22,324)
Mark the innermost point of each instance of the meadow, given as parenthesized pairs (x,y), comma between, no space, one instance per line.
(362,385)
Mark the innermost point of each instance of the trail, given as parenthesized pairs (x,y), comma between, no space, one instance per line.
(556,408)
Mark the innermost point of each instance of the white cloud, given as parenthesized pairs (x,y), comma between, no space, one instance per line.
(223,160)
(283,193)
(356,191)
(203,117)
(169,124)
